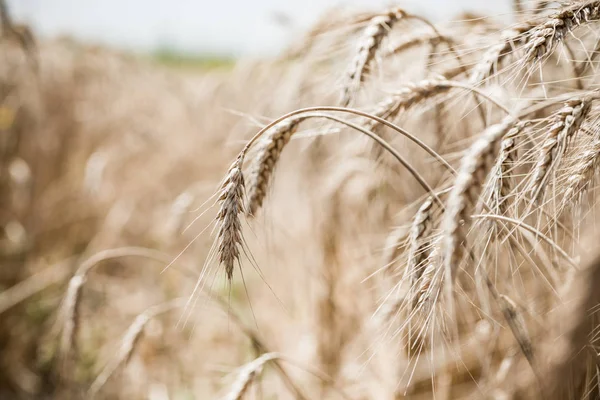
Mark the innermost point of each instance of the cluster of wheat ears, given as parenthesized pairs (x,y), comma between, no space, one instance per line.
(446,197)
(508,205)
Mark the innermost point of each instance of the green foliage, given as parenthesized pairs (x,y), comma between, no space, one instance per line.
(180,60)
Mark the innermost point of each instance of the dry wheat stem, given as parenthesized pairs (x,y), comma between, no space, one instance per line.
(34,284)
(369,43)
(392,151)
(360,113)
(229,233)
(564,126)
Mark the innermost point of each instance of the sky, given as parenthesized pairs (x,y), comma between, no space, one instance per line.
(219,27)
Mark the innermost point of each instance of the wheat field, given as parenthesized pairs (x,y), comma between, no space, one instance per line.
(389,209)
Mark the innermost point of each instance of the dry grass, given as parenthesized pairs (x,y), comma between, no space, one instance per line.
(432,241)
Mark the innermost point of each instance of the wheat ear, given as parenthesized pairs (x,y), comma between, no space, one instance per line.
(496,53)
(579,181)
(417,249)
(471,177)
(369,43)
(229,234)
(545,37)
(504,164)
(565,125)
(406,97)
(415,40)
(68,314)
(263,165)
(420,228)
(129,341)
(425,290)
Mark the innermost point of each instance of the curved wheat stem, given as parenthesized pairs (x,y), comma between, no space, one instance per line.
(522,225)
(304,113)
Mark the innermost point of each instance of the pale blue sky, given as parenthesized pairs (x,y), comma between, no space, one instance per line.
(203,26)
